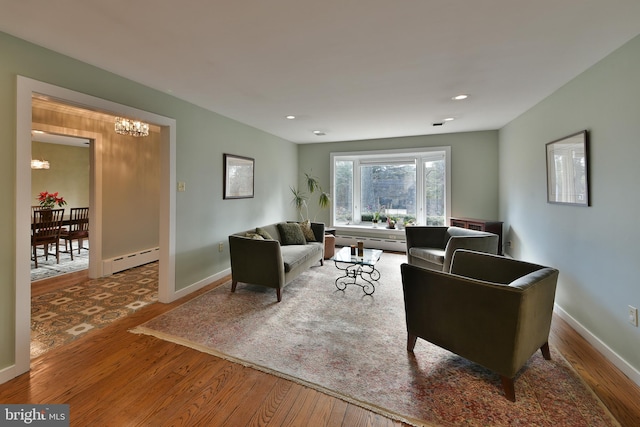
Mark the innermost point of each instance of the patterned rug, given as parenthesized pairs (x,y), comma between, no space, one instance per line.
(353,346)
(67,314)
(50,268)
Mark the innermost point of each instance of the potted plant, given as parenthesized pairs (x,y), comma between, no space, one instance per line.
(391,221)
(376,218)
(50,200)
(300,198)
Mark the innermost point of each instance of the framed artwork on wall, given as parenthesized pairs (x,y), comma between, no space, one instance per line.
(568,170)
(238,177)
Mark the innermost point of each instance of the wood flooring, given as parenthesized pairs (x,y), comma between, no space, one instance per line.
(115,378)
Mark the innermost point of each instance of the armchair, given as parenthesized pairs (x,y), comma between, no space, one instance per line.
(433,247)
(491,310)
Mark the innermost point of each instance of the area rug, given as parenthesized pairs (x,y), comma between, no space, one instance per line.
(353,347)
(51,268)
(67,314)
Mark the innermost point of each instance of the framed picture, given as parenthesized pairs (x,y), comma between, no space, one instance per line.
(568,170)
(238,177)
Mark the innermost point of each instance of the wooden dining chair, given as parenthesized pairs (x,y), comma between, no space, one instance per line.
(45,231)
(78,229)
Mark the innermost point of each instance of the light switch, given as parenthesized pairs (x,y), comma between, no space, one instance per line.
(182,186)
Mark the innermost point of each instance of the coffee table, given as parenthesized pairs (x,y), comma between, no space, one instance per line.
(354,267)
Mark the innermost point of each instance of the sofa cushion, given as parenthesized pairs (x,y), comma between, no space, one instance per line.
(291,233)
(295,255)
(305,226)
(264,233)
(254,236)
(428,254)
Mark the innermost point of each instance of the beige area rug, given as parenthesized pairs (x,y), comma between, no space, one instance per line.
(353,346)
(67,314)
(48,268)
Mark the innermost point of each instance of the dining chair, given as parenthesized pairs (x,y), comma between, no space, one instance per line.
(78,229)
(45,231)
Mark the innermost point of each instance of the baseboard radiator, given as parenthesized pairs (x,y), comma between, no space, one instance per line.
(398,245)
(125,262)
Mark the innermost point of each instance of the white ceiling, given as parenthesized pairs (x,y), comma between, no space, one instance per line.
(351,69)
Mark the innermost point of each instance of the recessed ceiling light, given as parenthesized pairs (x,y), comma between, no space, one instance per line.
(460,97)
(318,133)
(291,117)
(448,119)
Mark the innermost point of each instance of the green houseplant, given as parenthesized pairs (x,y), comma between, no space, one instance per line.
(300,198)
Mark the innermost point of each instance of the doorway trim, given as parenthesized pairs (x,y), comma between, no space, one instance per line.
(26,88)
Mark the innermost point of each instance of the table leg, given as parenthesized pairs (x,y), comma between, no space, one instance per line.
(367,273)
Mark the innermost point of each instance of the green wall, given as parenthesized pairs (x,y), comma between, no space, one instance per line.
(203,219)
(68,173)
(474,164)
(595,248)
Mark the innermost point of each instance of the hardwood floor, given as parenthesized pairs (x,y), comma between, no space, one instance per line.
(113,377)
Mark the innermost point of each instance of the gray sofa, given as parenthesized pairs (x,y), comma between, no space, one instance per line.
(433,247)
(275,258)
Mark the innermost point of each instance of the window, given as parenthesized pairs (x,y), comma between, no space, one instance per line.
(407,185)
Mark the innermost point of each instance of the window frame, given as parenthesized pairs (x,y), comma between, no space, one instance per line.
(418,155)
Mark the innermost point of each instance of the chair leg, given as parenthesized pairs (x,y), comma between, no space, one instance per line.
(70,247)
(58,252)
(509,389)
(35,255)
(279,293)
(234,283)
(545,351)
(411,342)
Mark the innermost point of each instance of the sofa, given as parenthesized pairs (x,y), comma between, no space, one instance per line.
(275,254)
(433,247)
(491,310)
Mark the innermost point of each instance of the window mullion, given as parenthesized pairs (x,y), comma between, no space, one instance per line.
(421,217)
(357,188)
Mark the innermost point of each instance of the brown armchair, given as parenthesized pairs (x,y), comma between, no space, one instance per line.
(491,310)
(433,247)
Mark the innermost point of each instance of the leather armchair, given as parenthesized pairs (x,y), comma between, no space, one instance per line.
(433,247)
(491,310)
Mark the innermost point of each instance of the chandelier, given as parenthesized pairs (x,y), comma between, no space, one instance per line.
(39,164)
(131,127)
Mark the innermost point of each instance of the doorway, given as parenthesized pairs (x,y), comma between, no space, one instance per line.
(61,164)
(27,88)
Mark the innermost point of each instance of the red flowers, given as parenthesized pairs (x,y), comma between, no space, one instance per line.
(49,200)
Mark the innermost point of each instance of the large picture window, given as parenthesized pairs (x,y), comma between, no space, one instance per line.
(410,186)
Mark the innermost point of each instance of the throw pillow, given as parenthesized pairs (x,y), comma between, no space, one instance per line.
(265,235)
(291,233)
(307,231)
(254,236)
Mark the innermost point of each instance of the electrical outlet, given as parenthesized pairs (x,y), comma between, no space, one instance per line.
(182,186)
(220,246)
(633,316)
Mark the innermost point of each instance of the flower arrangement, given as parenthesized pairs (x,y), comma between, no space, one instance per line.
(49,200)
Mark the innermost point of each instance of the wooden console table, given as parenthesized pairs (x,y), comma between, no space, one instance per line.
(494,227)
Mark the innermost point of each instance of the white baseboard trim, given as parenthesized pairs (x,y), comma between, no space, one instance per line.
(8,373)
(605,350)
(201,284)
(125,262)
